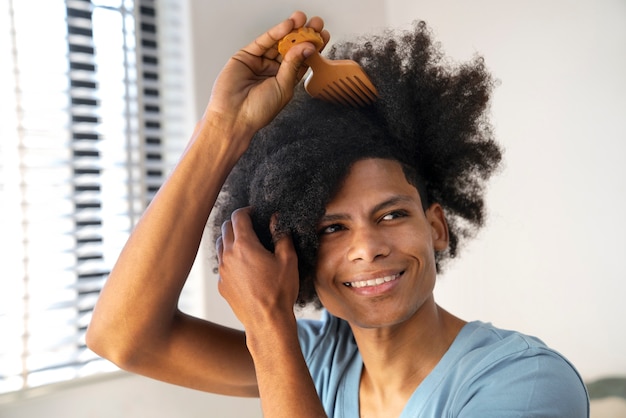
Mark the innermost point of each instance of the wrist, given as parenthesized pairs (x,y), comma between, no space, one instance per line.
(226,138)
(279,332)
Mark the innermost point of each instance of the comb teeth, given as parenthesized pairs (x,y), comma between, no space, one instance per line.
(364,89)
(349,91)
(340,82)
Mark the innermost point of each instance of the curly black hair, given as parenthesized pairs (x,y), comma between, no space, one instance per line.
(431,116)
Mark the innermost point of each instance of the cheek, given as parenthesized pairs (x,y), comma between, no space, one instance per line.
(323,290)
(329,297)
(327,266)
(412,240)
(418,247)
(328,255)
(323,272)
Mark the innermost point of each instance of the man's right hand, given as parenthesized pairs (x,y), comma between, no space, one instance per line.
(257,82)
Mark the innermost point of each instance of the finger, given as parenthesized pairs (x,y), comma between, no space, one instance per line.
(274,225)
(283,244)
(293,67)
(298,18)
(227,234)
(219,249)
(273,54)
(326,37)
(267,40)
(316,23)
(242,224)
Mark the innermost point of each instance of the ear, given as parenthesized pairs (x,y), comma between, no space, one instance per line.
(439,226)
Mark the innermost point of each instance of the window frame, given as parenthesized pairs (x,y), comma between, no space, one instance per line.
(156,133)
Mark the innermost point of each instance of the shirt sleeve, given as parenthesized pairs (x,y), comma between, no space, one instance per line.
(536,382)
(310,333)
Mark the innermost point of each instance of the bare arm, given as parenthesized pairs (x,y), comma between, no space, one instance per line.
(136,323)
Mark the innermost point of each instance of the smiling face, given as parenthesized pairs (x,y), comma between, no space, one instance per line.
(376,258)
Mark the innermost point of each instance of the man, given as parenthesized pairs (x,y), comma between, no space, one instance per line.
(355,210)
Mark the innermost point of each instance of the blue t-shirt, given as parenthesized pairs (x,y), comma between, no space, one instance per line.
(486,372)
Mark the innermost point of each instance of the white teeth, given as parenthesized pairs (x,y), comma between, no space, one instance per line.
(373,282)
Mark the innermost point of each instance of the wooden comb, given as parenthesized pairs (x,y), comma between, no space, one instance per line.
(337,81)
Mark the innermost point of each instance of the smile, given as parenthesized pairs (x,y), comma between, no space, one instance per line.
(373,282)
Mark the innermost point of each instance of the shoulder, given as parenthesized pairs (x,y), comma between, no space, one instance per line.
(504,372)
(481,339)
(483,347)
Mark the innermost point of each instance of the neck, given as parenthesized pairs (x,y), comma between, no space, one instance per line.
(396,359)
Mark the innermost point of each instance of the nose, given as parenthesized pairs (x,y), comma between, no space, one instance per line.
(367,244)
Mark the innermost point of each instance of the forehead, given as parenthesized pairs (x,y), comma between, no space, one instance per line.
(370,181)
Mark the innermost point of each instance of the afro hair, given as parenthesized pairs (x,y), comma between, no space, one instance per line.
(431,116)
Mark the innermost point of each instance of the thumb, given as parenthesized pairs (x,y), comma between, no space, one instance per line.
(283,244)
(293,64)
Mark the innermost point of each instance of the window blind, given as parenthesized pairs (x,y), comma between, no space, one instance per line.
(82,152)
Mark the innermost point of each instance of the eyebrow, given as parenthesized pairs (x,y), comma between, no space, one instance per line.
(394,200)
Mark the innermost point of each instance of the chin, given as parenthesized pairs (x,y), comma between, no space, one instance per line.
(373,319)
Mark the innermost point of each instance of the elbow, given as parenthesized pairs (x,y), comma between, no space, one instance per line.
(109,344)
(95,340)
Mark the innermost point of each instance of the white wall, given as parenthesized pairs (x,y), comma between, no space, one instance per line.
(550,261)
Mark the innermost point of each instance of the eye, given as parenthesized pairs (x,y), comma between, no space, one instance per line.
(394,215)
(331,229)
